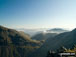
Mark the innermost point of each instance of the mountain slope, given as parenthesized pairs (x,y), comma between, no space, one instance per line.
(15,44)
(67,39)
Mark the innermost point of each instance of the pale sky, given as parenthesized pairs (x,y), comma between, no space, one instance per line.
(38,13)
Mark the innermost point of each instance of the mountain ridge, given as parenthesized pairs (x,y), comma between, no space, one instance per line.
(66,39)
(16,44)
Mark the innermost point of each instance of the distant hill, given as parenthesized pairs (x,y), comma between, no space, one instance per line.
(34,32)
(67,39)
(16,44)
(31,32)
(57,30)
(43,36)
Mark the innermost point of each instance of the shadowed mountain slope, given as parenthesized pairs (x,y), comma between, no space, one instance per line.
(67,39)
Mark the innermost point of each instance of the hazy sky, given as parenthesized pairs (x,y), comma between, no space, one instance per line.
(38,13)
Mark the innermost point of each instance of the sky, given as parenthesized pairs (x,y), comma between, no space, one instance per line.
(38,13)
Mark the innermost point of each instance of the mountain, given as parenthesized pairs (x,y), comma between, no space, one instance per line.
(31,32)
(56,30)
(16,44)
(34,32)
(43,36)
(67,39)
